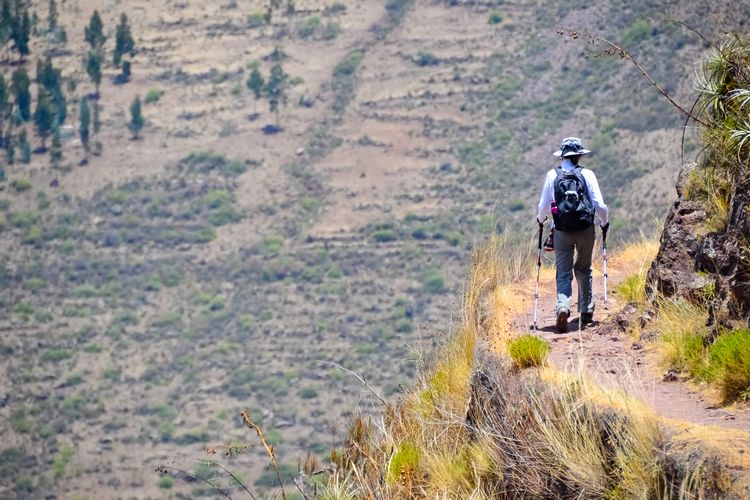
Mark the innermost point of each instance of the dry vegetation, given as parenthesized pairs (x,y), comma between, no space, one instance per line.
(476,427)
(151,294)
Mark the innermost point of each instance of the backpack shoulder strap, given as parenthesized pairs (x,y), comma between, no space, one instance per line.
(579,173)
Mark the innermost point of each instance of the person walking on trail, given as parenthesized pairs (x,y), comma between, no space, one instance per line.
(572,197)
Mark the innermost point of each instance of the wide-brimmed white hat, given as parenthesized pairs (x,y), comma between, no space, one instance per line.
(571,146)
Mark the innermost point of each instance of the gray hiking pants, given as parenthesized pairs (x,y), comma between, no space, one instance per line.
(582,243)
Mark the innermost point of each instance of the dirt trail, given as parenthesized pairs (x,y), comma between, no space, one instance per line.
(613,360)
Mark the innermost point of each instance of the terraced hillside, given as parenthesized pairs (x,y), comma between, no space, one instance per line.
(152,293)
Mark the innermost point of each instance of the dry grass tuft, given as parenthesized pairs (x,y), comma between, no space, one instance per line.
(681,331)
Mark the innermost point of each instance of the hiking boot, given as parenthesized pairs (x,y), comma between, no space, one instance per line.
(549,243)
(562,321)
(587,318)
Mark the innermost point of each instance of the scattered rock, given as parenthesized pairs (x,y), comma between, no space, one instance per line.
(300,151)
(671,376)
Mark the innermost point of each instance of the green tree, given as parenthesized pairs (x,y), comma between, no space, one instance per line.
(94,32)
(124,43)
(97,123)
(136,117)
(256,83)
(10,149)
(21,82)
(84,128)
(56,152)
(23,143)
(47,76)
(7,20)
(276,89)
(44,116)
(21,33)
(52,17)
(50,80)
(4,101)
(94,68)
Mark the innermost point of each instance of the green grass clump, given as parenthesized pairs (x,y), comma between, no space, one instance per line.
(633,288)
(681,330)
(21,185)
(528,350)
(433,281)
(61,461)
(403,463)
(348,66)
(166,482)
(256,19)
(729,364)
(384,235)
(153,95)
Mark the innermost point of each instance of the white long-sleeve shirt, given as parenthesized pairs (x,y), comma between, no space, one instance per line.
(592,185)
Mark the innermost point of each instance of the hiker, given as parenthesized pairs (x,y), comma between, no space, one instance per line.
(571,195)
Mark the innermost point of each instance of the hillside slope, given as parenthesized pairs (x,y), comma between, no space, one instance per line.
(152,293)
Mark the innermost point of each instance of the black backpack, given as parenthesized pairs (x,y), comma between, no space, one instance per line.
(575,211)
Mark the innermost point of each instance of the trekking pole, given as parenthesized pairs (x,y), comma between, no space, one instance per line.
(538,269)
(605,228)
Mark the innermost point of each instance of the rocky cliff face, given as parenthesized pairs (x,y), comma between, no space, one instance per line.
(709,267)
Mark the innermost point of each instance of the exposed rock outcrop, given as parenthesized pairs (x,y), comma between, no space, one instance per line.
(710,267)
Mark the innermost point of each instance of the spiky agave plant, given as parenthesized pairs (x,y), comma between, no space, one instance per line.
(724,100)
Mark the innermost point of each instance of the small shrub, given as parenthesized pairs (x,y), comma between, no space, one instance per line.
(426,59)
(272,244)
(172,318)
(517,205)
(85,291)
(308,27)
(331,30)
(268,478)
(335,8)
(348,66)
(308,393)
(433,281)
(56,355)
(256,20)
(397,8)
(637,32)
(23,309)
(23,219)
(33,235)
(496,17)
(528,350)
(404,325)
(153,95)
(384,235)
(166,482)
(729,364)
(61,461)
(310,204)
(21,185)
(224,216)
(34,283)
